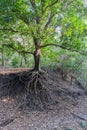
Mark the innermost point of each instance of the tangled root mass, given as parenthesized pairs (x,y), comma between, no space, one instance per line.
(32,84)
(37,89)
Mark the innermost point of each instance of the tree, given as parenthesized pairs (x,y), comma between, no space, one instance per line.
(36,23)
(39,20)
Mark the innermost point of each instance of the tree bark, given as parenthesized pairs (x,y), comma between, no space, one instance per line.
(21,62)
(37,55)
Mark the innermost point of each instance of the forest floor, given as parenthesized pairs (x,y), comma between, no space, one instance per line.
(69,113)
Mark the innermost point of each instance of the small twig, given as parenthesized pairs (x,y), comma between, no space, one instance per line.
(6,122)
(82,118)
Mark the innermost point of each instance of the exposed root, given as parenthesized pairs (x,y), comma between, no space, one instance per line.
(33,81)
(36,89)
(33,84)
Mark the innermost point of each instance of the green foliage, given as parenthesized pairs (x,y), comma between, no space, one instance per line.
(83,125)
(15,62)
(76,64)
(65,14)
(22,21)
(50,56)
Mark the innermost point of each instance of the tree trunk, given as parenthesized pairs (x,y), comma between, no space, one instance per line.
(3,62)
(21,62)
(37,55)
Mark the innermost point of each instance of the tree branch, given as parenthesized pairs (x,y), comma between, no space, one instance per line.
(33,4)
(8,29)
(82,52)
(11,30)
(76,115)
(19,51)
(35,9)
(52,4)
(53,45)
(42,5)
(25,19)
(49,20)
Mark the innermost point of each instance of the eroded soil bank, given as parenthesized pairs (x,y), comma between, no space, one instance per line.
(69,112)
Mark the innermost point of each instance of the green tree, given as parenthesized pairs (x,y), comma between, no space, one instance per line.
(37,22)
(28,26)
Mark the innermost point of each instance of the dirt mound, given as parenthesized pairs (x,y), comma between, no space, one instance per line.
(50,90)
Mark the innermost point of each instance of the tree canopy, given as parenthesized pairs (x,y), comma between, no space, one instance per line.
(26,23)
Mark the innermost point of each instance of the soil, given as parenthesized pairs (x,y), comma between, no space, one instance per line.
(68,111)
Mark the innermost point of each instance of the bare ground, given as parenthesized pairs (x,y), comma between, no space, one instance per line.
(69,113)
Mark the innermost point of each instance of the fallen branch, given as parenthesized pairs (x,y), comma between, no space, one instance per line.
(82,118)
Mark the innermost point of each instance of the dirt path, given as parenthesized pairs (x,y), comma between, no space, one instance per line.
(68,114)
(64,118)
